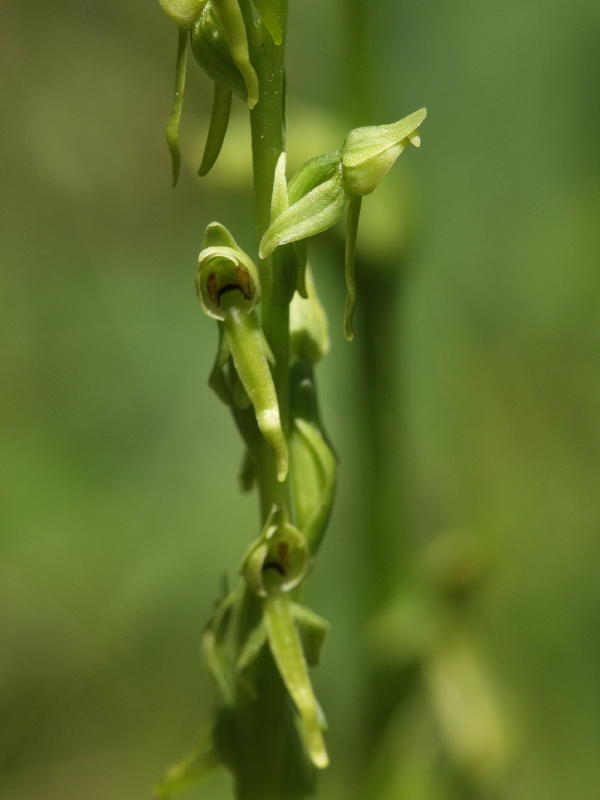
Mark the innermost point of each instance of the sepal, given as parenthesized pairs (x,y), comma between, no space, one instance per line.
(368,153)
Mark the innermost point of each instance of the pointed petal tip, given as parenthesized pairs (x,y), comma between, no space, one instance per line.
(320,758)
(282,469)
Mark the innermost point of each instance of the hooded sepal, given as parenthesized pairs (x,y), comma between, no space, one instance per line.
(286,647)
(368,153)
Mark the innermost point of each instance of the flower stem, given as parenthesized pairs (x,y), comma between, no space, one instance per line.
(267,121)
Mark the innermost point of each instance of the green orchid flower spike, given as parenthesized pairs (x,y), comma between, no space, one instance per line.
(228,288)
(268,729)
(274,565)
(325,185)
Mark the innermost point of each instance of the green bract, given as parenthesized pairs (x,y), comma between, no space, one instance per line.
(314,213)
(368,153)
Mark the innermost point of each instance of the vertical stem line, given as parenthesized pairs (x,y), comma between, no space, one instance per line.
(268,141)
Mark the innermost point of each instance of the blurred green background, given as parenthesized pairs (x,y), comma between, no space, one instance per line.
(119,504)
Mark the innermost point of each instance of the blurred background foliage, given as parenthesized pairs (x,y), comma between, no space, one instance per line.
(465,415)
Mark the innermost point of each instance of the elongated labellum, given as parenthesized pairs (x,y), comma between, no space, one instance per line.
(288,654)
(314,213)
(247,348)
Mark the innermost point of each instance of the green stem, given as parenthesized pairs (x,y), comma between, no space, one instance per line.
(268,141)
(270,763)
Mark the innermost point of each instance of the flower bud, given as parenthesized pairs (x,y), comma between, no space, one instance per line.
(234,28)
(368,153)
(183,12)
(211,50)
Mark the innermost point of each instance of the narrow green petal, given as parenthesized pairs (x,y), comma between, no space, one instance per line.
(349,258)
(286,647)
(219,121)
(172,130)
(314,213)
